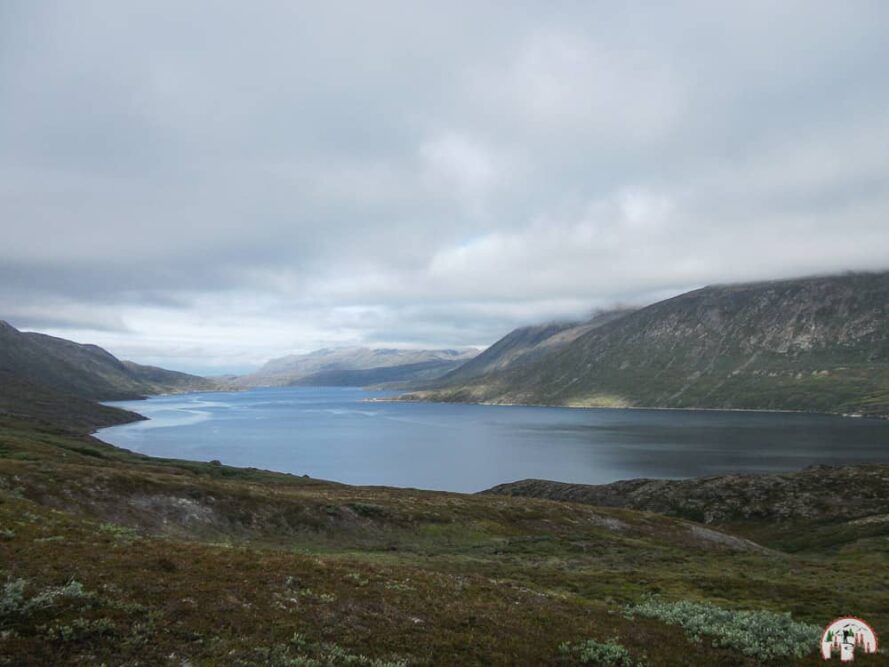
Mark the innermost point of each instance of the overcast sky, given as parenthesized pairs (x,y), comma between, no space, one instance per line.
(206,185)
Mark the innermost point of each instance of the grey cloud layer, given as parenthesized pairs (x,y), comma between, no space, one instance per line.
(277,176)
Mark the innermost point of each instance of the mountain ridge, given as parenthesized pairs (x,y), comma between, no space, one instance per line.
(335,364)
(61,381)
(811,344)
(528,343)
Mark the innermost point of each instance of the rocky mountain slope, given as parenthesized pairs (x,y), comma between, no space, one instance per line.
(526,345)
(814,344)
(338,366)
(86,371)
(59,380)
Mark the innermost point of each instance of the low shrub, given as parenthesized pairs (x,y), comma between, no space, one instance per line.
(119,532)
(762,635)
(14,604)
(301,652)
(369,510)
(81,629)
(12,598)
(607,654)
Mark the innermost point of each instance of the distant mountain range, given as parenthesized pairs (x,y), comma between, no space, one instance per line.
(59,380)
(813,344)
(355,366)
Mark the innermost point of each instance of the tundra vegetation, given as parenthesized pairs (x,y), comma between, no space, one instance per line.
(112,557)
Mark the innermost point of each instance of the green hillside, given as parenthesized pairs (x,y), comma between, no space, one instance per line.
(20,398)
(524,346)
(86,371)
(60,381)
(816,344)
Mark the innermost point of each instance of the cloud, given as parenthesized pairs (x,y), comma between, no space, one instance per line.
(562,82)
(455,163)
(209,185)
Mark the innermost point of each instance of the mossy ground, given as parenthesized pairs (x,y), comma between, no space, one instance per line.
(191,563)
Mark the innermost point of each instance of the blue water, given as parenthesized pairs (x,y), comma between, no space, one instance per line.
(333,433)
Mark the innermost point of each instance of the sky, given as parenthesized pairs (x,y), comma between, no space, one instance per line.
(207,185)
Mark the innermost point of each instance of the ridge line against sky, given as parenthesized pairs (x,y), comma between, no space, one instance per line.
(208,185)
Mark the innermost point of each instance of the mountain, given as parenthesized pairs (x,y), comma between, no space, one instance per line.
(20,398)
(59,380)
(355,366)
(527,344)
(403,375)
(812,344)
(86,371)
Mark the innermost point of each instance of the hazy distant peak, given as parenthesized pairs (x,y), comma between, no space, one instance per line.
(295,368)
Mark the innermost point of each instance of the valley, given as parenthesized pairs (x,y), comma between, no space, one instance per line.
(240,565)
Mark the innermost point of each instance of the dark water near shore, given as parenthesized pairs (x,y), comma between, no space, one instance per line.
(331,433)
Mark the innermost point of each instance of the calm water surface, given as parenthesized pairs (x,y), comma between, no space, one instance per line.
(332,433)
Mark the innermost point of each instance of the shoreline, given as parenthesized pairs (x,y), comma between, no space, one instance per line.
(140,416)
(626,407)
(98,434)
(399,399)
(488,490)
